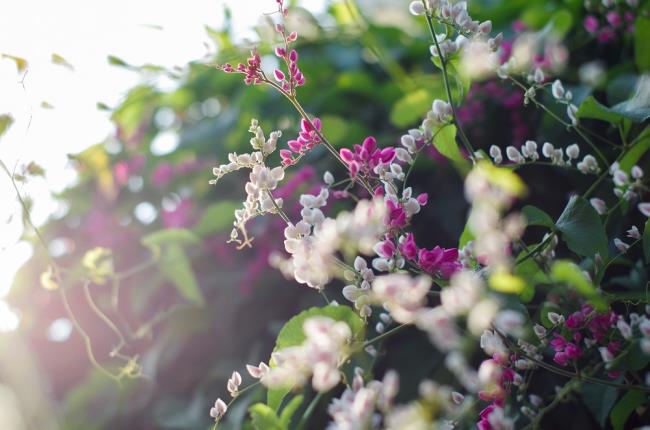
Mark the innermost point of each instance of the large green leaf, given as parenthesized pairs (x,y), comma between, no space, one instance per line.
(264,418)
(582,229)
(216,218)
(290,410)
(536,216)
(641,146)
(569,273)
(411,108)
(622,410)
(641,38)
(591,108)
(173,262)
(292,334)
(445,142)
(599,400)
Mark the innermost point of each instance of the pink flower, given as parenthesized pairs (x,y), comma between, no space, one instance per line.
(614,18)
(439,260)
(366,156)
(180,216)
(408,248)
(591,24)
(307,138)
(162,174)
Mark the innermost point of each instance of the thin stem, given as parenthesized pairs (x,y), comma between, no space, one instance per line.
(310,409)
(279,210)
(445,77)
(384,335)
(104,318)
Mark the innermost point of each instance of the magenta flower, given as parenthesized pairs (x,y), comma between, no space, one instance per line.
(439,261)
(366,156)
(591,24)
(162,174)
(307,138)
(408,248)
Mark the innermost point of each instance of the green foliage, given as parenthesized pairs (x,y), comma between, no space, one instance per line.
(582,229)
(264,418)
(292,334)
(536,216)
(216,218)
(641,38)
(599,399)
(634,154)
(445,142)
(411,108)
(173,262)
(625,406)
(5,123)
(569,273)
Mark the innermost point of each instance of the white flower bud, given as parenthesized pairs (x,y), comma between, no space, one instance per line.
(557,89)
(573,151)
(417,8)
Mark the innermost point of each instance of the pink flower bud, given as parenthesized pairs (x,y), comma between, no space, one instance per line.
(279,76)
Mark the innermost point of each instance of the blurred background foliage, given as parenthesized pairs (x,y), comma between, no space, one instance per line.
(207,309)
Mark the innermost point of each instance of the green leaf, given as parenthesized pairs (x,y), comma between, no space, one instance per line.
(561,22)
(292,334)
(290,410)
(505,282)
(569,273)
(536,216)
(634,154)
(591,108)
(631,359)
(622,410)
(216,218)
(641,38)
(582,229)
(445,143)
(646,241)
(264,418)
(173,262)
(465,236)
(5,123)
(599,400)
(116,61)
(411,108)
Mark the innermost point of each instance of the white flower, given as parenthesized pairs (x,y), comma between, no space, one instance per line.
(462,294)
(637,172)
(417,8)
(573,151)
(495,153)
(624,328)
(510,322)
(218,410)
(540,331)
(634,233)
(555,318)
(547,149)
(440,327)
(529,150)
(620,245)
(599,205)
(492,344)
(257,371)
(328,178)
(557,89)
(571,111)
(233,384)
(401,294)
(514,155)
(588,165)
(644,208)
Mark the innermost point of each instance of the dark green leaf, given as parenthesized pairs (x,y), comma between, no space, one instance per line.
(641,38)
(646,241)
(590,108)
(641,146)
(569,273)
(599,399)
(582,229)
(536,216)
(628,403)
(289,411)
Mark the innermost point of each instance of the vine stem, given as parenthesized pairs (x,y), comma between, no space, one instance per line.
(566,373)
(445,77)
(384,335)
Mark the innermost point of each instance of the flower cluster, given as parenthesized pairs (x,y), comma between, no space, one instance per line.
(607,19)
(319,357)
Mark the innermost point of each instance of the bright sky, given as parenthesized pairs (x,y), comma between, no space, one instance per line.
(84,33)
